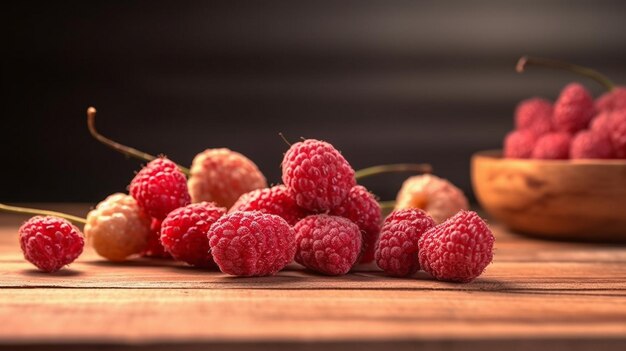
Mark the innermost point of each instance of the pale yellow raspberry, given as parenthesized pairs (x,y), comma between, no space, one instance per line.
(437,196)
(117,228)
(222,176)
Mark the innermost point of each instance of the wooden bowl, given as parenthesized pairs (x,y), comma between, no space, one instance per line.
(557,199)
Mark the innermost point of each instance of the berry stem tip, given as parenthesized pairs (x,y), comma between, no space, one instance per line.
(526,61)
(123,149)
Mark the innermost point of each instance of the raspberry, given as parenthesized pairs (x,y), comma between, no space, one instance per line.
(397,249)
(519,144)
(458,249)
(154,248)
(50,242)
(362,208)
(117,227)
(184,233)
(553,146)
(618,132)
(612,101)
(160,188)
(588,144)
(534,114)
(573,110)
(437,196)
(222,176)
(327,244)
(601,124)
(252,243)
(317,175)
(275,200)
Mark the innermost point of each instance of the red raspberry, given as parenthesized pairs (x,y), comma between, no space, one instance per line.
(612,101)
(618,132)
(534,114)
(553,146)
(154,248)
(50,242)
(362,208)
(519,144)
(573,110)
(222,176)
(327,244)
(397,249)
(159,188)
(275,200)
(458,249)
(184,233)
(252,243)
(317,175)
(601,124)
(588,144)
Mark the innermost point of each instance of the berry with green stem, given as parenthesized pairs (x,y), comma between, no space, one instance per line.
(49,240)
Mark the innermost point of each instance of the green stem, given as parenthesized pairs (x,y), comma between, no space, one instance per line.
(126,150)
(33,211)
(386,205)
(525,61)
(392,168)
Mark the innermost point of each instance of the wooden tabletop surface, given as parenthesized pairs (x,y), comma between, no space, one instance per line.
(536,295)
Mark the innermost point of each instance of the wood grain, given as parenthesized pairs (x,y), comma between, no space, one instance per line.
(565,199)
(536,295)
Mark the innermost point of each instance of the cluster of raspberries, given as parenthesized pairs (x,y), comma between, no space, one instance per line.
(574,127)
(334,223)
(319,218)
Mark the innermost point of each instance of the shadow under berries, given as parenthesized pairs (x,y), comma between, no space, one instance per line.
(142,262)
(67,272)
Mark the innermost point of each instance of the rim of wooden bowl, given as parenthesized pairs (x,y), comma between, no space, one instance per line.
(496,154)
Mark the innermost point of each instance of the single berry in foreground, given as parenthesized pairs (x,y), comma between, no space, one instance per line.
(327,244)
(184,233)
(553,146)
(574,109)
(222,176)
(437,196)
(589,144)
(154,248)
(252,243)
(458,249)
(159,188)
(534,114)
(519,144)
(50,242)
(275,200)
(397,249)
(362,208)
(117,228)
(317,175)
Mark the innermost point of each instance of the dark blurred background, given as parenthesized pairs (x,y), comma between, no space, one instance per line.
(384,81)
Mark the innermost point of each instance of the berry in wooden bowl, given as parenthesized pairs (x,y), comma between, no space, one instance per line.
(562,171)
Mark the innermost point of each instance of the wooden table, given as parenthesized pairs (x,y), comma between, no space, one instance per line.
(536,295)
